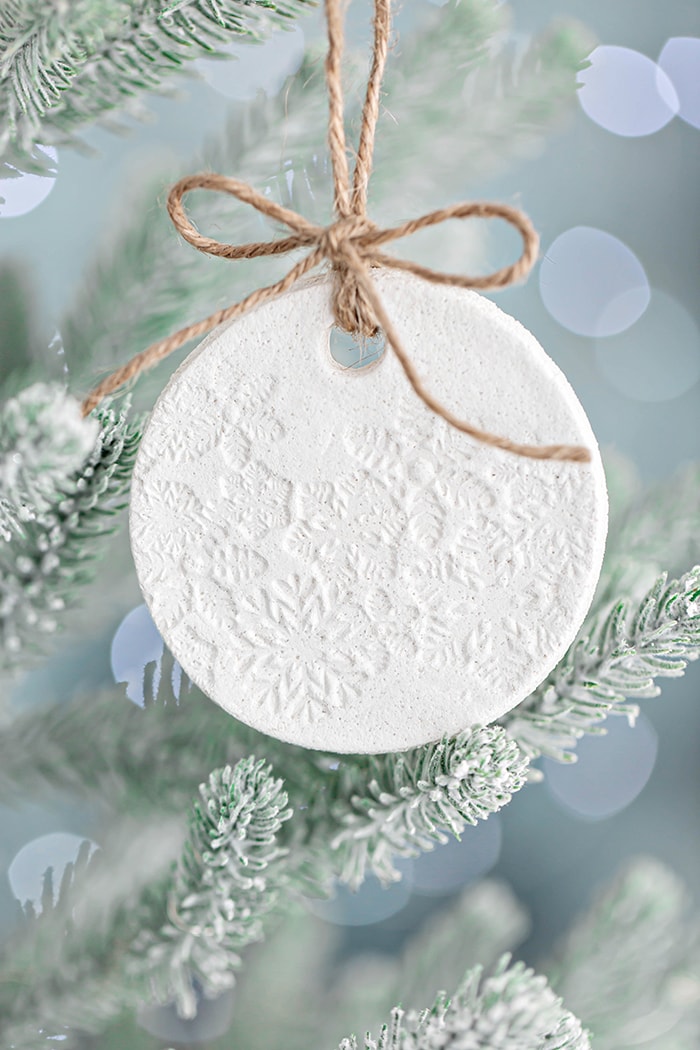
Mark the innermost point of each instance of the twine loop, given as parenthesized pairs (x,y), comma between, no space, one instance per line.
(351,244)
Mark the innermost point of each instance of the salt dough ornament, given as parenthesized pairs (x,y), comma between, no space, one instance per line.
(333,563)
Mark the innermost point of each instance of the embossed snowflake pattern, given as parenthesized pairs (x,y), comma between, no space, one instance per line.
(353,523)
(449,506)
(223,559)
(418,628)
(256,500)
(257,419)
(302,650)
(419,447)
(300,594)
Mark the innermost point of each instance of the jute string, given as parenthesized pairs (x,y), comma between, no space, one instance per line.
(351,244)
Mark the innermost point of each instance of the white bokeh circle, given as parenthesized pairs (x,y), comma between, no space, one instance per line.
(371,902)
(136,644)
(657,359)
(680,62)
(457,862)
(625,92)
(26,872)
(26,191)
(592,283)
(611,770)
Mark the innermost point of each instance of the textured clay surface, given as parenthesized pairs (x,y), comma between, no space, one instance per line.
(335,565)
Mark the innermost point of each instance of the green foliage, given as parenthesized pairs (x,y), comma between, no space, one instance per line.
(484,102)
(167,284)
(656,529)
(165,905)
(474,930)
(637,642)
(60,526)
(227,881)
(631,967)
(170,928)
(68,969)
(44,441)
(64,65)
(401,804)
(512,1009)
(17,309)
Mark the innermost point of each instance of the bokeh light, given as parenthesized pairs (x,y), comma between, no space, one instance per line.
(371,903)
(657,359)
(26,872)
(680,62)
(137,643)
(449,867)
(625,92)
(255,67)
(611,770)
(24,191)
(212,1020)
(592,283)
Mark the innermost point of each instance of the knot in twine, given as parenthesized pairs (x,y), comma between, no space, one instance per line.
(351,245)
(342,243)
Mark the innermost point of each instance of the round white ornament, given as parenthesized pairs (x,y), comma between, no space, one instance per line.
(333,563)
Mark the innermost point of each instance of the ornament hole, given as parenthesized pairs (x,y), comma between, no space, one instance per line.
(355,352)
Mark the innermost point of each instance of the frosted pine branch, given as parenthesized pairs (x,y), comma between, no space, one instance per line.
(658,529)
(101,949)
(631,967)
(51,556)
(102,746)
(621,658)
(167,284)
(500,99)
(227,882)
(475,930)
(64,65)
(485,921)
(513,1009)
(68,969)
(401,804)
(43,441)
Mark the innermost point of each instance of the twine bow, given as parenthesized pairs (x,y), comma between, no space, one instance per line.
(351,244)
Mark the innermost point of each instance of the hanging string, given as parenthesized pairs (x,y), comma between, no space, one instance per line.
(351,244)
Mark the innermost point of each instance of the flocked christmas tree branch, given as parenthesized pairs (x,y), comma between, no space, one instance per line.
(65,480)
(233,865)
(228,880)
(66,65)
(628,970)
(243,855)
(191,924)
(399,805)
(512,1009)
(168,285)
(372,809)
(631,967)
(620,658)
